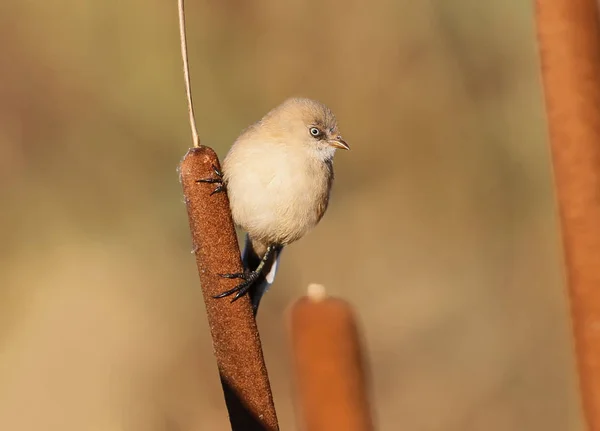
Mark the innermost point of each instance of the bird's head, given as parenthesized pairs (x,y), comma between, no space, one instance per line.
(306,124)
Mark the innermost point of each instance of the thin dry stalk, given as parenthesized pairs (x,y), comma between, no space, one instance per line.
(569,43)
(186,73)
(235,336)
(329,367)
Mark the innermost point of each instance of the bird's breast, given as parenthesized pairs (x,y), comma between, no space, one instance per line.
(276,195)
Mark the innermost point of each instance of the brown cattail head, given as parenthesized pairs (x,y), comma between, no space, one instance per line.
(235,336)
(569,42)
(328,364)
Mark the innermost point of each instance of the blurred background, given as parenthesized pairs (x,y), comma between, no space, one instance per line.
(441,230)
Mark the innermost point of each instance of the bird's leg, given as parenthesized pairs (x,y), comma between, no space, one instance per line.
(249,277)
(219,181)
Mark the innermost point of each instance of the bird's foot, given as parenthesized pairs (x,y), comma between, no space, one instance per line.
(241,289)
(218,181)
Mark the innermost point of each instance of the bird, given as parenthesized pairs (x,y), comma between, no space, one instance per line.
(278,176)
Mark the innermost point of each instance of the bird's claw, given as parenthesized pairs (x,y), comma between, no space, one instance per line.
(241,289)
(220,188)
(242,275)
(219,181)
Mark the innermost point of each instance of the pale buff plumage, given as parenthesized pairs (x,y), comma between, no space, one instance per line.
(278,176)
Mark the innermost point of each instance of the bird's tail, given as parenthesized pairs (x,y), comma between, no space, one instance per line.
(251,260)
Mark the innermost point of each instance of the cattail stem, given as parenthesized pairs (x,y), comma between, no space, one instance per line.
(186,72)
(235,336)
(569,43)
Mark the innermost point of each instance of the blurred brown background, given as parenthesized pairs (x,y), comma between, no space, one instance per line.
(441,231)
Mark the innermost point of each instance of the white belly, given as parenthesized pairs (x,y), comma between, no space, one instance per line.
(275,196)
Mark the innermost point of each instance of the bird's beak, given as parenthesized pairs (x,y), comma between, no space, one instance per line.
(339,143)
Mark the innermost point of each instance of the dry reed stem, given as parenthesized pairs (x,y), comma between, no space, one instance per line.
(569,43)
(186,72)
(235,336)
(328,364)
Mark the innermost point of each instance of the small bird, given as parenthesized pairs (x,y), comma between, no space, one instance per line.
(278,175)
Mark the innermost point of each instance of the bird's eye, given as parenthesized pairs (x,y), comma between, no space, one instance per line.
(315,132)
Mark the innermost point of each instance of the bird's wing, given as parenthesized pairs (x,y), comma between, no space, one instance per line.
(250,261)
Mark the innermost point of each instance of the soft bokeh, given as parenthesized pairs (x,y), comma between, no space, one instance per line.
(441,230)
